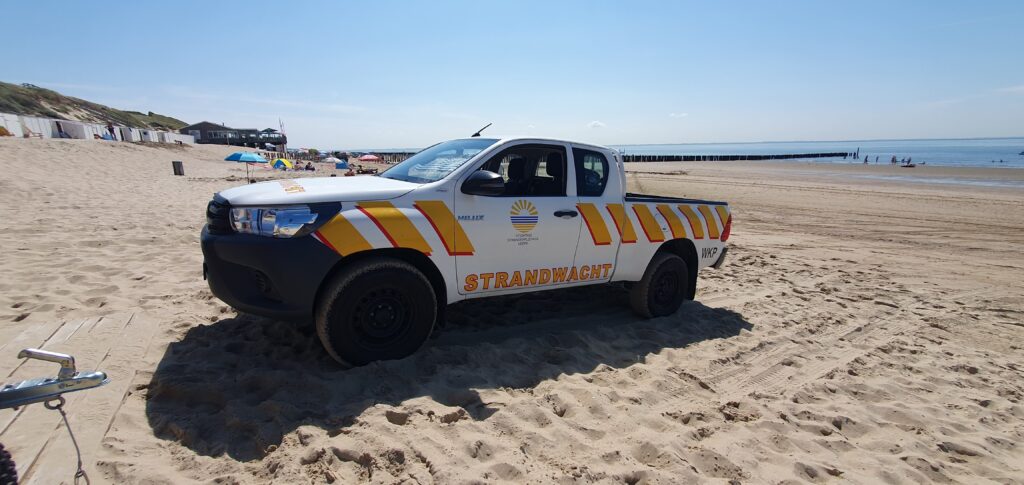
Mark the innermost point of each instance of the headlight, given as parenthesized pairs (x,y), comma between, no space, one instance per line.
(288,221)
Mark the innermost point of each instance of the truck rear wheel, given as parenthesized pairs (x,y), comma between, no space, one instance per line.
(376,309)
(663,287)
(8,472)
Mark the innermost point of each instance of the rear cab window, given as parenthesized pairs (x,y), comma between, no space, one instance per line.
(591,172)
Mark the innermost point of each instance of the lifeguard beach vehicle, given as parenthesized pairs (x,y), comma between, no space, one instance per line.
(374,260)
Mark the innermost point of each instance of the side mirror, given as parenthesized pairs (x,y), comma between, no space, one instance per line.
(483,182)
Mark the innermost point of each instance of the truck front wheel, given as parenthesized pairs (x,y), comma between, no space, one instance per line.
(663,287)
(375,309)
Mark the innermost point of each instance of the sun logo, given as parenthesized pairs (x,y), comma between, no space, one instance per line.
(523,216)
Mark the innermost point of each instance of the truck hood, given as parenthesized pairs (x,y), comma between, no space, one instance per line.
(320,189)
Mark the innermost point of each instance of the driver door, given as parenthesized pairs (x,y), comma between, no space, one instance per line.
(525,238)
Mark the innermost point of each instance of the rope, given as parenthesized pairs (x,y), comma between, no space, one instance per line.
(80,473)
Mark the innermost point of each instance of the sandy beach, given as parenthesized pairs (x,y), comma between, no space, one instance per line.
(867,327)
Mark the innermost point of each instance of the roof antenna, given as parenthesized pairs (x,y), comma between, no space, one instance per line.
(481,129)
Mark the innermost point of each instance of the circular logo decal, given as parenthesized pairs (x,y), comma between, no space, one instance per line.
(523,216)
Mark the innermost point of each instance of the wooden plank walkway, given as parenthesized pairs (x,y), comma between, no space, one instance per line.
(42,449)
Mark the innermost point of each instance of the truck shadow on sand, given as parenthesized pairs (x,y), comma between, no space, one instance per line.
(238,385)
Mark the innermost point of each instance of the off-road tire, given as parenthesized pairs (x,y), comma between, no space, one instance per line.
(8,472)
(375,309)
(663,287)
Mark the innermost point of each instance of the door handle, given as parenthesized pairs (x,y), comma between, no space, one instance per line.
(566,214)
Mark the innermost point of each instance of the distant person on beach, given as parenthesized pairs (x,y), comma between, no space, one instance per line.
(893,162)
(309,166)
(876,159)
(110,129)
(865,159)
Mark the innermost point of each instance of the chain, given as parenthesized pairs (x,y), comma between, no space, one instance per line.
(59,406)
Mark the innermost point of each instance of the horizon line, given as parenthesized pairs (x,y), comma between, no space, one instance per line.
(741,142)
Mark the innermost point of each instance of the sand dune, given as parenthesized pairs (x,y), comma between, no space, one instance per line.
(862,330)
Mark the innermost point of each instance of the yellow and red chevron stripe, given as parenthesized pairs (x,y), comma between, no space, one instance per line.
(399,230)
(674,224)
(650,226)
(595,224)
(723,215)
(695,226)
(622,223)
(446,226)
(710,218)
(340,235)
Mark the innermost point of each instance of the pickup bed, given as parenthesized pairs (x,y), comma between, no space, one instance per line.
(374,260)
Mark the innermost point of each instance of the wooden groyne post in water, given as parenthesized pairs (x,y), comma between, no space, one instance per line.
(730,158)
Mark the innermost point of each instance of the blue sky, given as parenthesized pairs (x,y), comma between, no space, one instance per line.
(402,74)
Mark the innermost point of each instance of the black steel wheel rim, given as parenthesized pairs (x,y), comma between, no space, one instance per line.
(666,287)
(380,317)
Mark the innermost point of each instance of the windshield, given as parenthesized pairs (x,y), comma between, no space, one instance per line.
(436,162)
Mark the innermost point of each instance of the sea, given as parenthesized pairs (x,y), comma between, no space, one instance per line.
(972,152)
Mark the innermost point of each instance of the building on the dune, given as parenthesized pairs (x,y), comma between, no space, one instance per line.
(219,134)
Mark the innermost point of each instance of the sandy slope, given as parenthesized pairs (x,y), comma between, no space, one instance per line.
(864,331)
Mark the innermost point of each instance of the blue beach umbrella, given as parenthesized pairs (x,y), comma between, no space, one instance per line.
(245,157)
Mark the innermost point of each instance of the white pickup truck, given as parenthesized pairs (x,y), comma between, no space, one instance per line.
(374,260)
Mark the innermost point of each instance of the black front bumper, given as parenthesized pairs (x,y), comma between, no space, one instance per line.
(271,277)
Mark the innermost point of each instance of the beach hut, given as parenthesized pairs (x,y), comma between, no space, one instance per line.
(76,130)
(33,126)
(170,137)
(93,130)
(11,123)
(148,136)
(66,129)
(87,130)
(130,134)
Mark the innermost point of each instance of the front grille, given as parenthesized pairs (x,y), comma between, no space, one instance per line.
(218,216)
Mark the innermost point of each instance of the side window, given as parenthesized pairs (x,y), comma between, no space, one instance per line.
(530,170)
(591,172)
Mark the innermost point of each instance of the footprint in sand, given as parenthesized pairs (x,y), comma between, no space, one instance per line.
(95,302)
